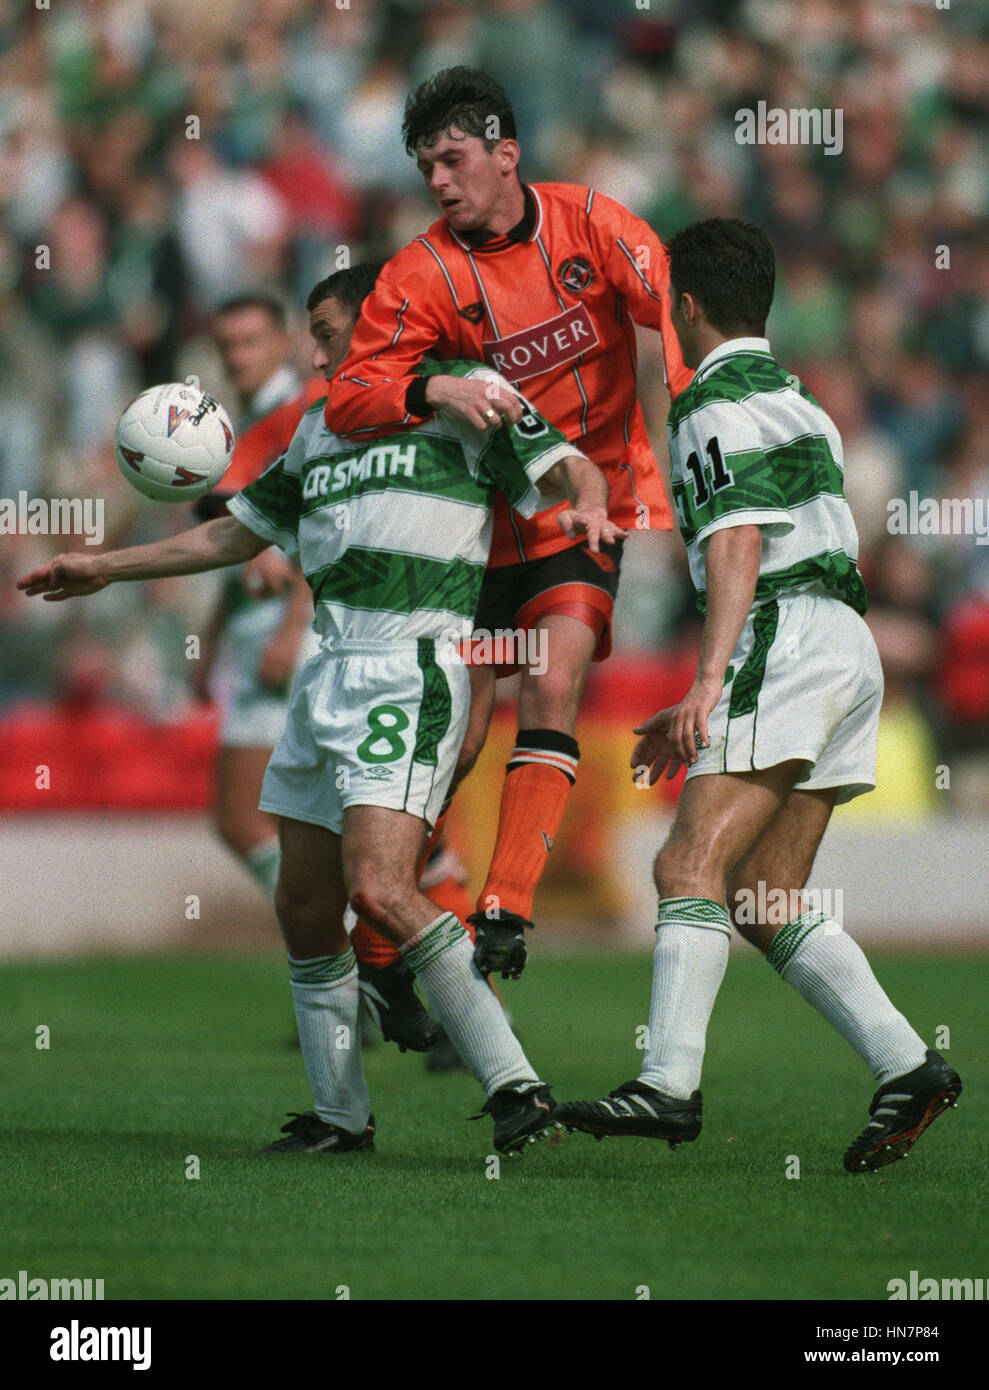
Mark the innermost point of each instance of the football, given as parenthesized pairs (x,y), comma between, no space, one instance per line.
(174,443)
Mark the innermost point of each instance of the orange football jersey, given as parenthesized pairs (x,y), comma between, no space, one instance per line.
(550,305)
(261,443)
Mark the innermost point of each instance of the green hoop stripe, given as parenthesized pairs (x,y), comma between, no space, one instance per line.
(788,939)
(694,912)
(397,583)
(440,937)
(834,569)
(322,970)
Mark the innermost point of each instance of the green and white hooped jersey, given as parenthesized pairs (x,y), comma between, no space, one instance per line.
(393,535)
(749,444)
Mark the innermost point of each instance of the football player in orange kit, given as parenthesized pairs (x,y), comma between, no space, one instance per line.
(256,637)
(543,282)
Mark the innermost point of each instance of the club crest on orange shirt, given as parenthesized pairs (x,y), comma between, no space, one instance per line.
(575,274)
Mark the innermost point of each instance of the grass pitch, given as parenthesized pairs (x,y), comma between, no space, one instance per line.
(153,1060)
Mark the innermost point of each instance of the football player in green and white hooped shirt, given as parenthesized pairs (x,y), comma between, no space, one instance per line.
(393,538)
(781,720)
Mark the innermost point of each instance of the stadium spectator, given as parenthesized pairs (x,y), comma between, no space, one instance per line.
(299,105)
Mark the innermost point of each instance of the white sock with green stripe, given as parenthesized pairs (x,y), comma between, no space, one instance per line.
(263,861)
(688,965)
(442,958)
(327,1011)
(825,966)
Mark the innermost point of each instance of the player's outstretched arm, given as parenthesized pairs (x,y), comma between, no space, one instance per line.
(400,322)
(587,488)
(208,547)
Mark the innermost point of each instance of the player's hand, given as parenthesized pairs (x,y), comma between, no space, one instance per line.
(481,404)
(592,523)
(688,731)
(67,576)
(672,737)
(267,574)
(278,660)
(654,751)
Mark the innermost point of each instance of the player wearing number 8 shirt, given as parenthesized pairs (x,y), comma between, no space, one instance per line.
(392,536)
(544,282)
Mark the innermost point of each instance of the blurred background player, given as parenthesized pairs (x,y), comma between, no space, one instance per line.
(260,631)
(779,725)
(544,282)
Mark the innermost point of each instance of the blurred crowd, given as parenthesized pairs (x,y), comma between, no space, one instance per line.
(157,157)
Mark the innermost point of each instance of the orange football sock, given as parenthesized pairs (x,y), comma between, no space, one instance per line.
(451,896)
(370,947)
(541,771)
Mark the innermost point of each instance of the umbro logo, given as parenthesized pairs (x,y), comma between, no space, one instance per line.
(473,313)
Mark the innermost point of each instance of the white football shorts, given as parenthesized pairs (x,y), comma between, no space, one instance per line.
(804,682)
(370,724)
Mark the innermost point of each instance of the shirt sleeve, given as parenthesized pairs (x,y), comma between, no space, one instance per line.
(722,475)
(637,265)
(515,457)
(271,506)
(399,323)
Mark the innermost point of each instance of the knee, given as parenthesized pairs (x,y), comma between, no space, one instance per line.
(241,828)
(668,871)
(551,700)
(379,899)
(293,903)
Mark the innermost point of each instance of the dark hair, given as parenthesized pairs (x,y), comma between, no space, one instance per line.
(729,268)
(351,286)
(270,303)
(461,97)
